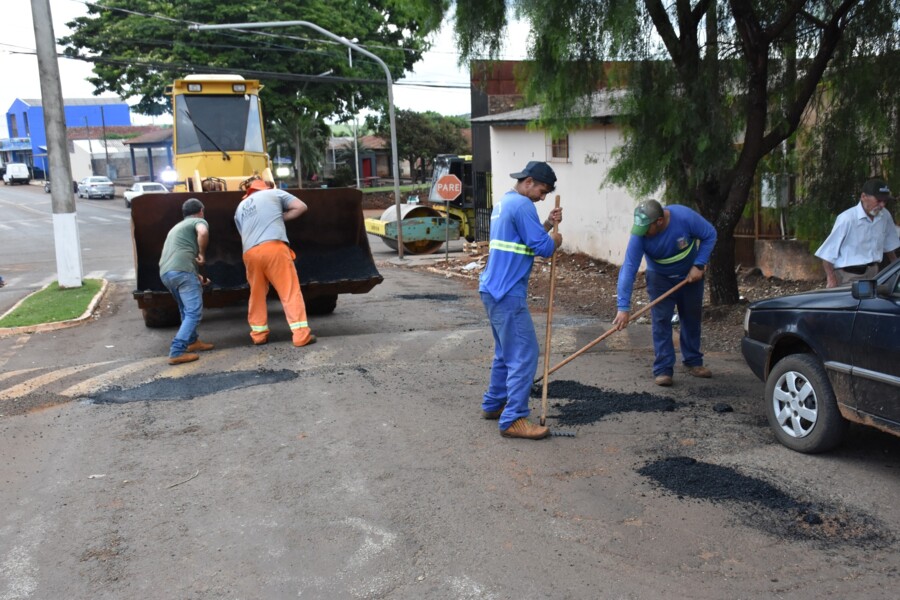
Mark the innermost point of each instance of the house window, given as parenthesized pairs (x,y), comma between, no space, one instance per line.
(27,129)
(558,149)
(13,126)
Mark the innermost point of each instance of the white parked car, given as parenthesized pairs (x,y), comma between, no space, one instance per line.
(143,187)
(96,186)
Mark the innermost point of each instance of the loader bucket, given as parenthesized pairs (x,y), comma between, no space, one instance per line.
(333,254)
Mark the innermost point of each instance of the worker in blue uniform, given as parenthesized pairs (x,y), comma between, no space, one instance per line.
(517,236)
(677,243)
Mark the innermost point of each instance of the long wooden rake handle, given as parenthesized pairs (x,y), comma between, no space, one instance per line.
(549,322)
(605,335)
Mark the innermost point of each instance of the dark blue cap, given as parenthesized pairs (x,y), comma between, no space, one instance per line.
(539,171)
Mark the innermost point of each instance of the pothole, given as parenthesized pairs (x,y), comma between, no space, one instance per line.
(586,404)
(763,505)
(192,386)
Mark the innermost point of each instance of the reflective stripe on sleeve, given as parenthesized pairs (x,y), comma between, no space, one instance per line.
(511,247)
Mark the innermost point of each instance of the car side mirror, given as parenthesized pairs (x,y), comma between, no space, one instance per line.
(864,289)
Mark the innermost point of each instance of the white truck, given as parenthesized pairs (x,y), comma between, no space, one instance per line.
(16,173)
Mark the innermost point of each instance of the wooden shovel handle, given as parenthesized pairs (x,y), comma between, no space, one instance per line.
(608,333)
(549,322)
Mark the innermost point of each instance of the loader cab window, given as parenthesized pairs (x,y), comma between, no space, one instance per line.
(211,123)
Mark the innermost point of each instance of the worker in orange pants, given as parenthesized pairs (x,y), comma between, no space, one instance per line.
(273,263)
(269,260)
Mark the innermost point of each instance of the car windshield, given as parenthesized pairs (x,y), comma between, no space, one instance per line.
(153,187)
(98,180)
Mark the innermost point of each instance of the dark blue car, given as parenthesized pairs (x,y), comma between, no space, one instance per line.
(828,357)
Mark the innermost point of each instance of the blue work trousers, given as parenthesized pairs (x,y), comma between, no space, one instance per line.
(689,301)
(188,294)
(515,357)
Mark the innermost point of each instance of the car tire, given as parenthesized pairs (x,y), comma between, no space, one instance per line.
(127,203)
(801,407)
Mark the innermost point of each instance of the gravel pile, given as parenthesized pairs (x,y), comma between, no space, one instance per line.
(586,404)
(763,505)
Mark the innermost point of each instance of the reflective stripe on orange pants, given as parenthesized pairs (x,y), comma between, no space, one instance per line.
(273,263)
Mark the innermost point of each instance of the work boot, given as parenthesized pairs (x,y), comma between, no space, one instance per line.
(699,371)
(183,358)
(663,380)
(311,340)
(260,342)
(199,346)
(523,428)
(492,415)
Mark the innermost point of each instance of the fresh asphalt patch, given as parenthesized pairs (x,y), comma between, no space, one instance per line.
(192,386)
(586,404)
(765,506)
(437,297)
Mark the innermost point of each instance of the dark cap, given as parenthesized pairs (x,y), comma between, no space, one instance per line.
(539,171)
(878,188)
(646,213)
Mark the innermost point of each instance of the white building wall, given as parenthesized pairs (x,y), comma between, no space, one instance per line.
(597,219)
(80,160)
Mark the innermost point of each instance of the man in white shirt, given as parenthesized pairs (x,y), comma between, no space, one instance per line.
(861,237)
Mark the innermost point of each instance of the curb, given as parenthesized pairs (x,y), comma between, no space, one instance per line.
(41,327)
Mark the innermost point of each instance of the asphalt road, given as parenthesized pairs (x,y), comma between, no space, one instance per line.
(359,467)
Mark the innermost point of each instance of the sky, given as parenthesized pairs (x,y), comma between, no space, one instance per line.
(19,66)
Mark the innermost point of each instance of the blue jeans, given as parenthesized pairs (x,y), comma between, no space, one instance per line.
(515,357)
(689,301)
(188,293)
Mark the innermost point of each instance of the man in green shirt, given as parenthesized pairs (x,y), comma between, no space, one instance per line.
(182,255)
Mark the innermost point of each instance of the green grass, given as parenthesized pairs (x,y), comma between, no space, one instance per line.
(53,304)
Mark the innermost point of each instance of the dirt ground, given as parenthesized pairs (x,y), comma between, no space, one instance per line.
(587,286)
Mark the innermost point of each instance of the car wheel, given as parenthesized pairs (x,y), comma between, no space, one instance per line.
(127,203)
(801,406)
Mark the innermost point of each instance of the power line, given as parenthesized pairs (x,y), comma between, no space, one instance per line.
(253,73)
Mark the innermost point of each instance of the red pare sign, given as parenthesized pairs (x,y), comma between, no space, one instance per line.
(448,187)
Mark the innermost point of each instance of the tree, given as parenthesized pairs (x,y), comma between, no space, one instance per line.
(138,47)
(422,136)
(712,87)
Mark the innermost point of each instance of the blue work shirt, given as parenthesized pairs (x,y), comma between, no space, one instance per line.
(516,237)
(688,240)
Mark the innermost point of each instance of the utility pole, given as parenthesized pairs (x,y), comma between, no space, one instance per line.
(65,226)
(105,143)
(90,146)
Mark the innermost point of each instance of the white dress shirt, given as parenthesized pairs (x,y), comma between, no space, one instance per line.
(857,240)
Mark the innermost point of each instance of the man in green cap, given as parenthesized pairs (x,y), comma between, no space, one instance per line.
(677,243)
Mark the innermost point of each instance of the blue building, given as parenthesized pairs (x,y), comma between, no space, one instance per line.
(27,142)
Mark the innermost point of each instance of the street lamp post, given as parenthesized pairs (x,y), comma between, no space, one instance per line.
(353,110)
(364,52)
